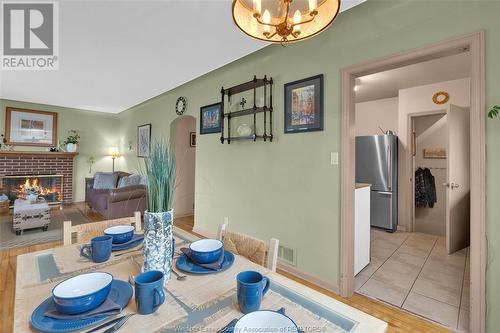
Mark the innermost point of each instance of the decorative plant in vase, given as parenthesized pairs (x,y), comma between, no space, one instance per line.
(159,170)
(72,141)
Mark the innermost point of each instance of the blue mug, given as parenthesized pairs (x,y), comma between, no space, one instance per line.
(99,249)
(251,287)
(149,294)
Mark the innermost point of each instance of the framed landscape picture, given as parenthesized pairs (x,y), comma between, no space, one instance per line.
(143,140)
(25,127)
(210,119)
(304,105)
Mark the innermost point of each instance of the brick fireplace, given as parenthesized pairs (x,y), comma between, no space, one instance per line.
(18,165)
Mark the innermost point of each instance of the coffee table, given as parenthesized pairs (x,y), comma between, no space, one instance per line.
(29,215)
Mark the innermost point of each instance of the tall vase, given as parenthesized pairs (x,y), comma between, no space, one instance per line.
(158,242)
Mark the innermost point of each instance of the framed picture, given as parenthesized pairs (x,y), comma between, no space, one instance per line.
(304,105)
(210,119)
(192,139)
(25,127)
(143,140)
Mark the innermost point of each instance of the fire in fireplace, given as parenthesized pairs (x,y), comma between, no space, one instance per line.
(48,187)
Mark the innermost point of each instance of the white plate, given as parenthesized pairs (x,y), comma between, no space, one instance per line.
(265,321)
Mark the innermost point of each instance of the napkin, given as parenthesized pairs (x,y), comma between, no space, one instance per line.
(214,265)
(108,308)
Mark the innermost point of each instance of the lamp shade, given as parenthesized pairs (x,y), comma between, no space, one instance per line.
(113,151)
(280,21)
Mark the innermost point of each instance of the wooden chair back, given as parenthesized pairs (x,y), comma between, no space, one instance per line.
(256,250)
(85,232)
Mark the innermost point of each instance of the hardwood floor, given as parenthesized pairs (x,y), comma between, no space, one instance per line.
(398,320)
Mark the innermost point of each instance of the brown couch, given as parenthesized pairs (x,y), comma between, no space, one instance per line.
(118,202)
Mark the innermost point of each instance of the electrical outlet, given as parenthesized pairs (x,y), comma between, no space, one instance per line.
(334,158)
(226,221)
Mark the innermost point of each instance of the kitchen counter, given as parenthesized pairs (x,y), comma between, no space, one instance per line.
(361,185)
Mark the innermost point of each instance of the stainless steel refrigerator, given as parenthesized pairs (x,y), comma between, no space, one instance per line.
(377,164)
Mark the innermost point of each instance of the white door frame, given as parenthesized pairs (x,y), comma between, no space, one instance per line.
(475,43)
(410,161)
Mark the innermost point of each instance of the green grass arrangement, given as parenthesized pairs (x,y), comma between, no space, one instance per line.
(159,170)
(494,111)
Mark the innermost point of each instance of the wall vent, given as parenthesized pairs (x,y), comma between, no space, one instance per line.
(287,255)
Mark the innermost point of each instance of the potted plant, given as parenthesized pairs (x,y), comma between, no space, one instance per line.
(159,172)
(72,141)
(495,109)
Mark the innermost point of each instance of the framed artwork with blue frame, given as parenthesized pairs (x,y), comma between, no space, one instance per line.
(210,118)
(304,105)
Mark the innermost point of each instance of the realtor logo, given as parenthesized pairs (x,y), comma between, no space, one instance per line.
(29,36)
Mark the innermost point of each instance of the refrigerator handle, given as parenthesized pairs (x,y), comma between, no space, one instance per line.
(389,168)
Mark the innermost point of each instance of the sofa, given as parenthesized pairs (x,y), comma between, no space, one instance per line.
(118,199)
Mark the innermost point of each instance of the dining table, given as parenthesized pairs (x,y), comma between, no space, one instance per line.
(197,303)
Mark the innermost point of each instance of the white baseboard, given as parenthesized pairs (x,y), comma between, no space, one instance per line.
(320,282)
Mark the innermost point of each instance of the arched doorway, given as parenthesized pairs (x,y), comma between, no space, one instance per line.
(181,130)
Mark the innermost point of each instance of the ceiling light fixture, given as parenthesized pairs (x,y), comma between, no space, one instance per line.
(283,21)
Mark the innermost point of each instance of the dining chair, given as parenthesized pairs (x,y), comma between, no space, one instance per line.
(85,232)
(253,249)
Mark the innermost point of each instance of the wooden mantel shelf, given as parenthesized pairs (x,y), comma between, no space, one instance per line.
(15,153)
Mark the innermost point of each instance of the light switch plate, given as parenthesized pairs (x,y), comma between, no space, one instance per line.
(334,158)
(226,221)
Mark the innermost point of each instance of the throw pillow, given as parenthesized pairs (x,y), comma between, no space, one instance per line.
(133,179)
(105,180)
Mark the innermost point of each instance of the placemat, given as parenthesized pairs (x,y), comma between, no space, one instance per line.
(200,291)
(168,315)
(68,259)
(305,319)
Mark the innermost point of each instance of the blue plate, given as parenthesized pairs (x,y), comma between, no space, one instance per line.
(120,293)
(136,240)
(186,265)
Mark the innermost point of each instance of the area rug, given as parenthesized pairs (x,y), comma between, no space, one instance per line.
(9,240)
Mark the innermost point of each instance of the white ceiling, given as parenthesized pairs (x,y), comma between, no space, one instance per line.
(117,54)
(386,84)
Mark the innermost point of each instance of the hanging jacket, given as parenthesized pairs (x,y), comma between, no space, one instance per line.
(425,188)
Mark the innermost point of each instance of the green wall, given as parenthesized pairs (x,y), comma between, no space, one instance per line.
(287,189)
(98,132)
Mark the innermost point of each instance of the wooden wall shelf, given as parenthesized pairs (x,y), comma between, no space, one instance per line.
(266,109)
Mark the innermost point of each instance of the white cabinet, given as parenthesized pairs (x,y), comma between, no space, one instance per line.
(361,227)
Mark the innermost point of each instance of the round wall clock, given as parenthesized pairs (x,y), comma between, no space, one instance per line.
(180,105)
(441,97)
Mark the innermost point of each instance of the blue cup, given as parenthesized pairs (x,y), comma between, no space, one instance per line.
(251,287)
(149,294)
(99,249)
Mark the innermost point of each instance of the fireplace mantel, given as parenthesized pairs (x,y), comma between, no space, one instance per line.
(16,153)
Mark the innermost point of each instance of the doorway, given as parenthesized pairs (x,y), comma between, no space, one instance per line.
(183,141)
(474,43)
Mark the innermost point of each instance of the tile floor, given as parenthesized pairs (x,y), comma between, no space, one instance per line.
(414,272)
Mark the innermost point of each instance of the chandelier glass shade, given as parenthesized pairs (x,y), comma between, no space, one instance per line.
(283,21)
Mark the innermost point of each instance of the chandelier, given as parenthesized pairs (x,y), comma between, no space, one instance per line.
(283,21)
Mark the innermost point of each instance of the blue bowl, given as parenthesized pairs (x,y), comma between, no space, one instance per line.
(82,293)
(120,233)
(206,251)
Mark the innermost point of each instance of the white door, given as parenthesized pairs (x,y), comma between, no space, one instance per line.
(458,180)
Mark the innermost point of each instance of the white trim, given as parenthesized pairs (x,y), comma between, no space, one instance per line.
(475,43)
(320,282)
